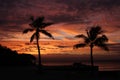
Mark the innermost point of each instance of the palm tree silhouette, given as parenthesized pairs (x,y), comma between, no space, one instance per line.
(95,37)
(38,25)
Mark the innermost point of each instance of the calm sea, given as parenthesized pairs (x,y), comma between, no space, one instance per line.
(104,63)
(103,66)
(108,66)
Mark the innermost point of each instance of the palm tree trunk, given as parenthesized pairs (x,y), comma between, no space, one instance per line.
(91,55)
(39,55)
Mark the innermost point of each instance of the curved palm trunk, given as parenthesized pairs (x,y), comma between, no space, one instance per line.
(39,56)
(91,55)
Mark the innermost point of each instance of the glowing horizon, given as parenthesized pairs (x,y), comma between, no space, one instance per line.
(70,18)
(56,47)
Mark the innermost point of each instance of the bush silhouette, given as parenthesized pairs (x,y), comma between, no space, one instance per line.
(9,57)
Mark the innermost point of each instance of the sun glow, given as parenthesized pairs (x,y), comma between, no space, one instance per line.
(47,47)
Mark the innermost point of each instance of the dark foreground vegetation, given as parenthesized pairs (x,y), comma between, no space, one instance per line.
(9,57)
(55,73)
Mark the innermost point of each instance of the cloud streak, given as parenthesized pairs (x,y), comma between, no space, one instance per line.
(71,17)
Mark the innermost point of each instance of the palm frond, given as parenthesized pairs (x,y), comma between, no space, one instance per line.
(43,25)
(32,37)
(46,33)
(100,40)
(103,46)
(37,22)
(86,39)
(94,32)
(99,30)
(104,37)
(26,30)
(79,45)
(81,36)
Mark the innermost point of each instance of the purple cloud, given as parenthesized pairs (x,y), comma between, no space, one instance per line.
(16,13)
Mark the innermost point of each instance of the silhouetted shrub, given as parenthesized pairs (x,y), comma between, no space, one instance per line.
(9,57)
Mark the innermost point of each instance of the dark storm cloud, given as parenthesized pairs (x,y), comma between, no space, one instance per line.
(90,3)
(13,11)
(83,10)
(55,10)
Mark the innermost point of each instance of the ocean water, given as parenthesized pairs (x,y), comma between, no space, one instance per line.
(108,66)
(104,63)
(103,66)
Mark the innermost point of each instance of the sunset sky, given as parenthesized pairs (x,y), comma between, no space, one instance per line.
(70,17)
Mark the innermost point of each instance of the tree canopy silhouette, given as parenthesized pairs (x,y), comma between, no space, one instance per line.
(9,57)
(95,37)
(38,25)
